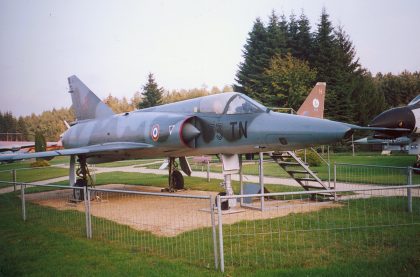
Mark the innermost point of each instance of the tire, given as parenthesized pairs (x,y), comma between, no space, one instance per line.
(416,166)
(224,204)
(177,180)
(79,194)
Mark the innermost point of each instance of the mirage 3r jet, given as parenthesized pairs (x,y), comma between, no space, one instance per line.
(224,124)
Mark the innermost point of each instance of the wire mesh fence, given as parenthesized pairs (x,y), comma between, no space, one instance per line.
(371,219)
(167,225)
(349,176)
(296,230)
(55,206)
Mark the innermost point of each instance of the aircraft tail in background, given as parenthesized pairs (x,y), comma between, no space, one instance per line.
(86,104)
(314,103)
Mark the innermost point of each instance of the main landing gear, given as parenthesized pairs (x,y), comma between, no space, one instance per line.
(175,179)
(83,179)
(416,165)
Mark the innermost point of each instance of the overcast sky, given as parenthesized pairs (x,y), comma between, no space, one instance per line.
(112,45)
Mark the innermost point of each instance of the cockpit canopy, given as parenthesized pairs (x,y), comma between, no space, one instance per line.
(415,100)
(223,103)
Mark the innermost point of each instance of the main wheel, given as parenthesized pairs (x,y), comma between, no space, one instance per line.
(78,194)
(177,180)
(224,204)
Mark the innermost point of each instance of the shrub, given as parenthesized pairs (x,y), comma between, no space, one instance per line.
(40,163)
(311,158)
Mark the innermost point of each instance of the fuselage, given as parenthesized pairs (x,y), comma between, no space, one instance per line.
(246,132)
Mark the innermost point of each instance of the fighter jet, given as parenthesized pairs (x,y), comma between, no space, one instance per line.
(225,124)
(406,137)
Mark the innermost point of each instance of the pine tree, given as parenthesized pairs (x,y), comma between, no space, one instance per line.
(152,94)
(292,35)
(250,76)
(276,37)
(21,128)
(325,51)
(304,42)
(347,69)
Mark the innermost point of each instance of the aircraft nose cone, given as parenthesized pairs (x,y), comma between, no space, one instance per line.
(395,118)
(189,132)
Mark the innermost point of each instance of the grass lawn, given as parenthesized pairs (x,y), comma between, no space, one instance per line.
(131,162)
(193,183)
(344,173)
(366,237)
(49,247)
(34,174)
(356,239)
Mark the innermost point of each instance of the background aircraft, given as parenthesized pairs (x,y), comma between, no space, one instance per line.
(407,117)
(7,147)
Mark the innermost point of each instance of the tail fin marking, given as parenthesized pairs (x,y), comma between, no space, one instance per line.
(314,103)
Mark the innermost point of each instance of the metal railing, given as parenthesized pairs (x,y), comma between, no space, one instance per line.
(194,228)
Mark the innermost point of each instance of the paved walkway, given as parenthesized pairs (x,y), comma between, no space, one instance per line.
(219,176)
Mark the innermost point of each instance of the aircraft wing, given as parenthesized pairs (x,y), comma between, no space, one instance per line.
(89,150)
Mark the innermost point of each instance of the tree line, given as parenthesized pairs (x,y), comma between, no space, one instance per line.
(51,123)
(283,60)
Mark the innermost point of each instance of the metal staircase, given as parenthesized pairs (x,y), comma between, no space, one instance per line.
(307,178)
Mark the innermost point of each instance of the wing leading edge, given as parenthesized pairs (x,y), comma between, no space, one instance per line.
(87,150)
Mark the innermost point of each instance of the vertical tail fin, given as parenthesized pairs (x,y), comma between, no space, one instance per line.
(314,103)
(86,104)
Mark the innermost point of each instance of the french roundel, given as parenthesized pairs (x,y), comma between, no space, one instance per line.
(155,132)
(315,103)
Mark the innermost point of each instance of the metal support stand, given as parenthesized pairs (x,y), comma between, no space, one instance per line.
(228,188)
(230,166)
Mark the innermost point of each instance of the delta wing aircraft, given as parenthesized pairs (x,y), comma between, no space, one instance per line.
(224,124)
(407,138)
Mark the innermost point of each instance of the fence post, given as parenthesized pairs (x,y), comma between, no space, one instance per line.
(90,214)
(213,225)
(409,183)
(14,179)
(261,177)
(219,215)
(86,199)
(22,196)
(208,171)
